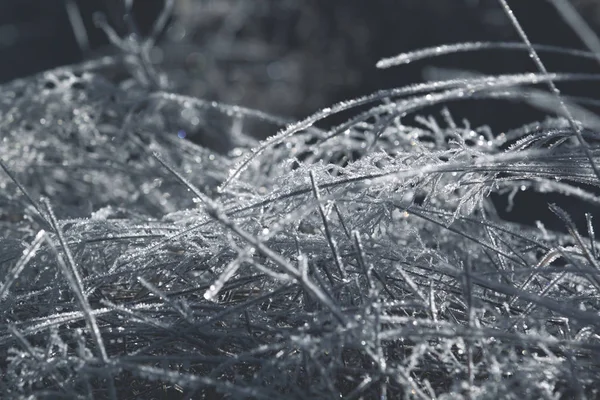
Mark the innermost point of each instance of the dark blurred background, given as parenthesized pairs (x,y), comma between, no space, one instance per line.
(288,56)
(292,57)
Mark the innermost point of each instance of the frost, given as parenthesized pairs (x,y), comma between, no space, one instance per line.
(367,259)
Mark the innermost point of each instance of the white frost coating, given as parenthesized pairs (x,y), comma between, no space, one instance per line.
(373,249)
(412,56)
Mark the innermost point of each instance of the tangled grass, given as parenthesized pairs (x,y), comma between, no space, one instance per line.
(365,260)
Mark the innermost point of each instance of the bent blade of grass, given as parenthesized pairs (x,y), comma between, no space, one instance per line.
(410,105)
(293,128)
(459,90)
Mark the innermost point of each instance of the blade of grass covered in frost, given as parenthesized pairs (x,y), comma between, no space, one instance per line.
(485,163)
(485,84)
(486,223)
(550,124)
(542,293)
(270,273)
(411,105)
(217,213)
(189,381)
(275,226)
(150,249)
(592,236)
(228,273)
(14,272)
(166,299)
(540,66)
(414,288)
(564,216)
(244,305)
(71,272)
(380,95)
(130,312)
(543,185)
(360,257)
(470,91)
(466,235)
(565,310)
(228,109)
(29,348)
(444,49)
(330,240)
(38,325)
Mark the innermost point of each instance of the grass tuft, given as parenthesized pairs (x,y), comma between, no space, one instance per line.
(361,260)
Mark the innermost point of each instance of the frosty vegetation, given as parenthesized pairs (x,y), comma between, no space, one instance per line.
(364,260)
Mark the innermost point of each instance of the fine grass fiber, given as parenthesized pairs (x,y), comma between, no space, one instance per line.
(151,248)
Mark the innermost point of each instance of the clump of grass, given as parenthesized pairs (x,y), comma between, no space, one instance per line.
(365,260)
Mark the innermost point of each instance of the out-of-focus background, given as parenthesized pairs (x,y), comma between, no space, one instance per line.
(289,57)
(293,57)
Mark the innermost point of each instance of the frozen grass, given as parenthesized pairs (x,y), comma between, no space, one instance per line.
(364,261)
